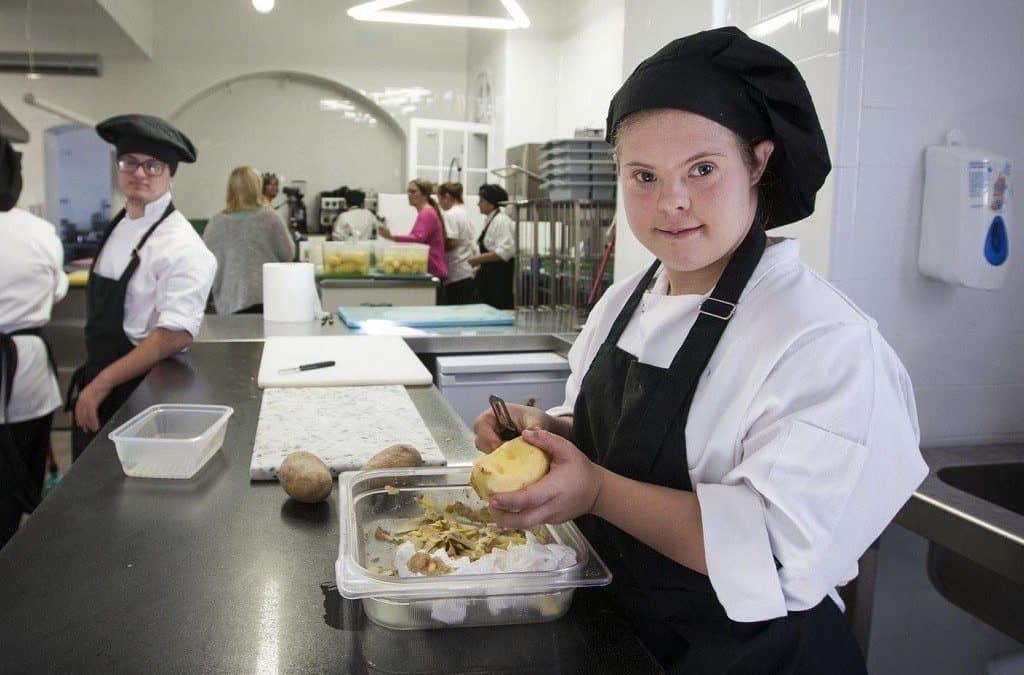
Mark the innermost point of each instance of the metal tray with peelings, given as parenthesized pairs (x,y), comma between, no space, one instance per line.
(369,498)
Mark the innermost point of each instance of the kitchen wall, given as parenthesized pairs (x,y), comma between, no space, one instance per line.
(912,81)
(915,69)
(554,78)
(199,44)
(807,32)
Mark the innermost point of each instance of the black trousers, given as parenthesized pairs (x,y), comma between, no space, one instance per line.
(460,292)
(31,440)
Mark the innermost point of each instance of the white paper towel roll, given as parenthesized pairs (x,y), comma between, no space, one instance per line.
(289,292)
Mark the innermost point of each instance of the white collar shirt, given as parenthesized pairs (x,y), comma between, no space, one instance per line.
(499,235)
(802,437)
(32,279)
(458,226)
(176,270)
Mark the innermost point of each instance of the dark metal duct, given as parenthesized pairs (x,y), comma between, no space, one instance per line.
(51,63)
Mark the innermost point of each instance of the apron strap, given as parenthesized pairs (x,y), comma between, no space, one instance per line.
(622,320)
(700,343)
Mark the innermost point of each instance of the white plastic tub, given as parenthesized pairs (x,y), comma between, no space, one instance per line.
(170,441)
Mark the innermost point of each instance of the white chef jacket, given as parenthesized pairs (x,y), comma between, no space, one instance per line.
(458,226)
(176,270)
(31,279)
(802,438)
(355,225)
(501,235)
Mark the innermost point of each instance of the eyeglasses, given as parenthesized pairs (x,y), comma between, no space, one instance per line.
(152,167)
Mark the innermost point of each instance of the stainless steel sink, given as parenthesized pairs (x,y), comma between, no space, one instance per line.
(971,509)
(1000,484)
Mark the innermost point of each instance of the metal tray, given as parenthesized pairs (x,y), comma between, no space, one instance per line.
(446,601)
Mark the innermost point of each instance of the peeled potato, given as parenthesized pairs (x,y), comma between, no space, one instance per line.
(305,477)
(512,466)
(395,456)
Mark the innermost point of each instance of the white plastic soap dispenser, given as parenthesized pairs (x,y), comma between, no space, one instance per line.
(966,218)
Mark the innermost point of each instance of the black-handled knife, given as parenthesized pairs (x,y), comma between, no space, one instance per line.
(307,366)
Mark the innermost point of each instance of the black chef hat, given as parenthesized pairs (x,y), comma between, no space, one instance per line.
(749,88)
(10,175)
(148,135)
(493,193)
(355,198)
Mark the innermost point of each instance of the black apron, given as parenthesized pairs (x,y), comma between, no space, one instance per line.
(630,417)
(15,478)
(105,339)
(494,279)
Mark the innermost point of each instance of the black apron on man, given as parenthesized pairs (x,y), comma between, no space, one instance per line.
(23,445)
(630,417)
(494,279)
(105,339)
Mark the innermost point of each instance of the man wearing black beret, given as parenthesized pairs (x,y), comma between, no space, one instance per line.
(149,282)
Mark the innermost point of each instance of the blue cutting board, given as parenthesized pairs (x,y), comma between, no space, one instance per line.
(442,316)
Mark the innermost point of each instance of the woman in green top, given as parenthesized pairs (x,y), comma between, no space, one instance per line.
(242,237)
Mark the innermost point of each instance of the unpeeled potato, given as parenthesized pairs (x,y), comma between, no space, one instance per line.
(395,456)
(511,466)
(305,477)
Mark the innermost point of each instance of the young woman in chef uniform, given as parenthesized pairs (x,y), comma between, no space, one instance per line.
(736,432)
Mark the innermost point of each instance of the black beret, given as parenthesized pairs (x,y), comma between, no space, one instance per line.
(493,193)
(148,135)
(10,175)
(749,88)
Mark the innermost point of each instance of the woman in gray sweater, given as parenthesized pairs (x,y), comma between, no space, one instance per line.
(243,236)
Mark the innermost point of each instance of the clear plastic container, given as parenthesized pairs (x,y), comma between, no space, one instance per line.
(347,258)
(368,498)
(170,441)
(402,258)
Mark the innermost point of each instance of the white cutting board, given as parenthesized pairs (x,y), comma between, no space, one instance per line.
(360,360)
(344,426)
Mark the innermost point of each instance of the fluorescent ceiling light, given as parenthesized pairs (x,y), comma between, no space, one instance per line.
(381,10)
(263,6)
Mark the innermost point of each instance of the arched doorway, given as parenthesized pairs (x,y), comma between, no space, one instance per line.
(299,126)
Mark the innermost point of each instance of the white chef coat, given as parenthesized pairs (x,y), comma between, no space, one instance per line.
(355,225)
(458,226)
(31,279)
(176,270)
(802,438)
(501,235)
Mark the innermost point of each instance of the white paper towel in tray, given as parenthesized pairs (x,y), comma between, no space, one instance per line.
(344,426)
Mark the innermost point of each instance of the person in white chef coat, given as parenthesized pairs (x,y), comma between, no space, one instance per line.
(736,432)
(149,282)
(31,279)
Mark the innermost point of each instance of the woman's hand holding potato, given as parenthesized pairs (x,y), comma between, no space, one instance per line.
(485,427)
(570,488)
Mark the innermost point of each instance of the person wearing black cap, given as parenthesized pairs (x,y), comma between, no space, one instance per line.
(735,432)
(149,281)
(31,279)
(358,223)
(495,269)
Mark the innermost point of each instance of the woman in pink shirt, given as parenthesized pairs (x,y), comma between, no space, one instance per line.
(428,228)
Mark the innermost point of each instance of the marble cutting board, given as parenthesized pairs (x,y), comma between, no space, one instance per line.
(344,426)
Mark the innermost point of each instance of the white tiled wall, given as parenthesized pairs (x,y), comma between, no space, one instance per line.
(808,32)
(913,70)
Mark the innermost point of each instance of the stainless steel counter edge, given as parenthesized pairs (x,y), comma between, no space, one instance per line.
(973,527)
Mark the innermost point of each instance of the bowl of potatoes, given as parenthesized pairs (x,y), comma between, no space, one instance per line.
(342,258)
(402,259)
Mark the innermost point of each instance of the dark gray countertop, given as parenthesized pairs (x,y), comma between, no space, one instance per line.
(978,529)
(219,574)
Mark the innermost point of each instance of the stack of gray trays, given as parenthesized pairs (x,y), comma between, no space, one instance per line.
(578,169)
